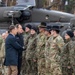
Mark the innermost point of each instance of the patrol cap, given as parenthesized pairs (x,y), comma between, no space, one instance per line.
(29,26)
(42,25)
(70,33)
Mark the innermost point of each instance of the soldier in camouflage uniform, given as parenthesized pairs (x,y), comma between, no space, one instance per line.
(26,33)
(26,36)
(47,49)
(41,49)
(1,40)
(2,53)
(68,55)
(30,53)
(55,51)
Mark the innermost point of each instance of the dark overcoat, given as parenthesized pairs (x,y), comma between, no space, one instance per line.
(11,51)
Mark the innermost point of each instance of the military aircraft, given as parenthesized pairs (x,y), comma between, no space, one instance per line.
(25,11)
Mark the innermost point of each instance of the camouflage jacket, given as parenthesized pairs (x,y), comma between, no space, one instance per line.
(56,48)
(1,41)
(30,51)
(2,53)
(40,45)
(73,38)
(26,37)
(68,54)
(47,47)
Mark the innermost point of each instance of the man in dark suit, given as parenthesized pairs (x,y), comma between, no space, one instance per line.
(19,38)
(11,49)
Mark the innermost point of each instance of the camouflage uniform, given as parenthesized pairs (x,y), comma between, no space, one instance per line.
(1,40)
(24,63)
(40,53)
(67,57)
(72,55)
(73,38)
(26,35)
(55,52)
(2,54)
(47,55)
(30,56)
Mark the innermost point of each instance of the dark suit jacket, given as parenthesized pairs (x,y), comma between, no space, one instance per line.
(19,39)
(11,48)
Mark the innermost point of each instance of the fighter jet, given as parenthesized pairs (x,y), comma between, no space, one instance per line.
(25,11)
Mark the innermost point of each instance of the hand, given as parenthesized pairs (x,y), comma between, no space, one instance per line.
(34,60)
(68,67)
(24,48)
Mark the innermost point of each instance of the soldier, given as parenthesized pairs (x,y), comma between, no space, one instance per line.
(2,53)
(47,49)
(55,51)
(30,53)
(68,54)
(26,36)
(40,49)
(1,40)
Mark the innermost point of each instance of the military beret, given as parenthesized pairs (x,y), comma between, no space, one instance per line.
(29,26)
(34,28)
(70,33)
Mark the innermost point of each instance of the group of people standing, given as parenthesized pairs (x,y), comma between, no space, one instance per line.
(46,53)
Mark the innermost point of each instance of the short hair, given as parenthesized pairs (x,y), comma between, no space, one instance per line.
(11,27)
(17,25)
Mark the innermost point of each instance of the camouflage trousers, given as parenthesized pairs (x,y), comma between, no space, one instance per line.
(31,67)
(48,71)
(67,71)
(55,68)
(41,66)
(73,66)
(3,69)
(24,64)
